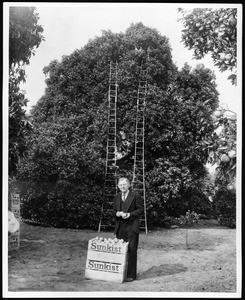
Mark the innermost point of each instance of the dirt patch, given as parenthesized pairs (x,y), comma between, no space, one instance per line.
(53,259)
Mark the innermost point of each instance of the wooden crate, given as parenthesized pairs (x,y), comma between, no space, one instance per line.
(106,261)
(14,238)
(15,200)
(16,211)
(14,241)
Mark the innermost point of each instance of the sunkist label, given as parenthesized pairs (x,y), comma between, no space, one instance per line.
(104,245)
(95,245)
(103,266)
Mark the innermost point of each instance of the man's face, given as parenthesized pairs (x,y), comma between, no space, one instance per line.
(123,186)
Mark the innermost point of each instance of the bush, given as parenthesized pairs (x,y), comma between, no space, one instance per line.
(64,205)
(163,214)
(195,200)
(224,206)
(156,212)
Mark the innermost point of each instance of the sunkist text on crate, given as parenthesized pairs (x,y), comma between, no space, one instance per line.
(106,259)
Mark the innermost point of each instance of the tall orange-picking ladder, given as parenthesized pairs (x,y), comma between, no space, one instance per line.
(110,183)
(138,182)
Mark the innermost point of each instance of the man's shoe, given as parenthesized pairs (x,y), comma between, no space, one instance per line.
(129,279)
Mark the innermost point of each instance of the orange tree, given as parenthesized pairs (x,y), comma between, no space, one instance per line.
(212,31)
(222,153)
(62,175)
(25,35)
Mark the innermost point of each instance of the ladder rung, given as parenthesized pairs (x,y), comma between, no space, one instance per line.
(110,188)
(106,207)
(109,225)
(108,210)
(110,180)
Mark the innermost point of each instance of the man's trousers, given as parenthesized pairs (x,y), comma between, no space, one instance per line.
(125,233)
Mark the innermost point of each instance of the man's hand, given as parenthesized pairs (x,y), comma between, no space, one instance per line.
(125,215)
(119,214)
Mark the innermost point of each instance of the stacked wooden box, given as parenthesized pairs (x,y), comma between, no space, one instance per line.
(14,207)
(107,259)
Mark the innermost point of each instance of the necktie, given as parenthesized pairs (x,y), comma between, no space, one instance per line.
(124,197)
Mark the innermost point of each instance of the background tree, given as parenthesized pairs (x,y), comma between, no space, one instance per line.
(24,36)
(223,155)
(68,143)
(212,31)
(215,32)
(178,154)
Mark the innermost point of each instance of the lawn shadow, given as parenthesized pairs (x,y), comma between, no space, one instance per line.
(162,270)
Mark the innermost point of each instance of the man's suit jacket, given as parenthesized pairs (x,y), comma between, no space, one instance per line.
(134,206)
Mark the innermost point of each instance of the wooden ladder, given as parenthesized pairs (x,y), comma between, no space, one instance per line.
(138,182)
(110,183)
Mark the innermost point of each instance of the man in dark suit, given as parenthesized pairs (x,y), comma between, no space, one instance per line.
(128,207)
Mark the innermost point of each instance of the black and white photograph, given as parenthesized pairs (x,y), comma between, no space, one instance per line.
(122,150)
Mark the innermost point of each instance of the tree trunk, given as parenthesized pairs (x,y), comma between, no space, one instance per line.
(187,239)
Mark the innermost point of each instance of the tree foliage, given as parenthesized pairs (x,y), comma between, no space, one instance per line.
(212,31)
(68,142)
(223,154)
(215,32)
(18,123)
(24,37)
(25,34)
(223,150)
(224,203)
